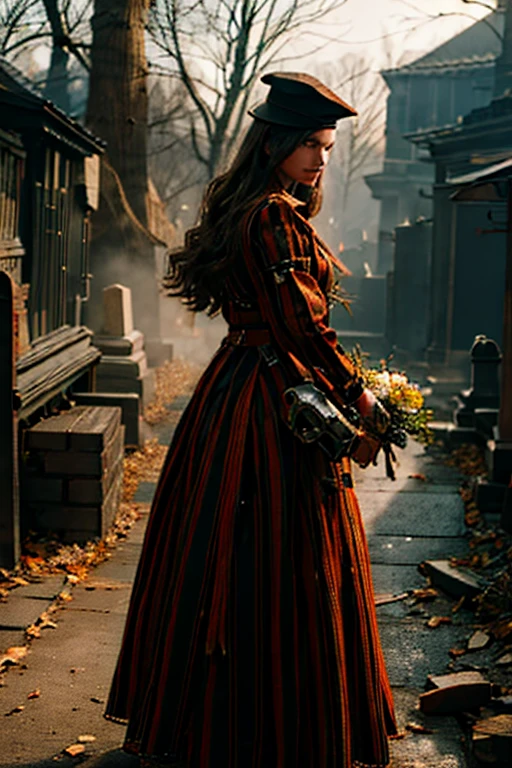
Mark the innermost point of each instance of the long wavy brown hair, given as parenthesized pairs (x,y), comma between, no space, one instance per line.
(197,271)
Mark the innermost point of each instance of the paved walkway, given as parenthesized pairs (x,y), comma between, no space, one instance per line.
(71,666)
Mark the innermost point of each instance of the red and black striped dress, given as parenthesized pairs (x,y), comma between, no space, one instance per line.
(251,639)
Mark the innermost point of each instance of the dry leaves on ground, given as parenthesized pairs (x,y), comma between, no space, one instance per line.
(74,749)
(13,656)
(468,459)
(173,379)
(437,621)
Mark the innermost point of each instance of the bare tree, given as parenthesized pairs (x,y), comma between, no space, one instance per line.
(62,24)
(218,48)
(173,166)
(361,139)
(117,108)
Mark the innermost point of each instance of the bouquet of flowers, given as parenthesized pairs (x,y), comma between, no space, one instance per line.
(401,398)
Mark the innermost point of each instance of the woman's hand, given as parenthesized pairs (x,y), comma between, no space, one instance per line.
(375,417)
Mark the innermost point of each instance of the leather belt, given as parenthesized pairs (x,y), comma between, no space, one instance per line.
(248,337)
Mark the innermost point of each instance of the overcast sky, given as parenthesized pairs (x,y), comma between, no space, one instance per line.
(408,25)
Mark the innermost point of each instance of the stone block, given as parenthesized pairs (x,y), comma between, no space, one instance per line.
(120,346)
(129,402)
(498,456)
(506,510)
(144,386)
(117,310)
(159,352)
(452,580)
(458,697)
(489,497)
(492,740)
(129,367)
(484,420)
(434,682)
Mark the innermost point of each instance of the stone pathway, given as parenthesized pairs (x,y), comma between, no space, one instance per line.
(407,521)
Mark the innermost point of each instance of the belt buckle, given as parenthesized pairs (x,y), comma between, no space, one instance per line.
(237,338)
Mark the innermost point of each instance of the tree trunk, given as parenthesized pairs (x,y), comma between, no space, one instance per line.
(56,87)
(117,108)
(503,72)
(122,248)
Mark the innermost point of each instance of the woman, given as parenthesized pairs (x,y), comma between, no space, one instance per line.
(251,639)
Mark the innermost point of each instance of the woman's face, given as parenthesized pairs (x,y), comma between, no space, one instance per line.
(306,163)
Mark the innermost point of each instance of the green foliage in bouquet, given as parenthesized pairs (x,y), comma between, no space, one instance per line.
(402,398)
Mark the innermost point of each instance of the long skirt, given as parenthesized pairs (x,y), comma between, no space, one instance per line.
(251,638)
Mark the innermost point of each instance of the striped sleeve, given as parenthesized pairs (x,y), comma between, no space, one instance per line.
(291,301)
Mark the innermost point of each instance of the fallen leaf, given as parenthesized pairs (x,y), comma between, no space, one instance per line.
(390,598)
(13,655)
(454,652)
(18,581)
(478,640)
(15,711)
(45,622)
(418,476)
(34,694)
(458,605)
(416,728)
(424,594)
(398,736)
(86,738)
(65,597)
(33,632)
(74,750)
(71,578)
(436,621)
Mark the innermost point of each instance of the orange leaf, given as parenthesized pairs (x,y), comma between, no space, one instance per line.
(74,750)
(416,728)
(15,711)
(418,476)
(34,694)
(436,621)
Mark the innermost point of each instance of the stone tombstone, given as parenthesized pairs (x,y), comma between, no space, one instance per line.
(117,310)
(485,362)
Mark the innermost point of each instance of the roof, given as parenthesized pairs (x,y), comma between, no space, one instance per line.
(499,169)
(478,45)
(500,108)
(18,90)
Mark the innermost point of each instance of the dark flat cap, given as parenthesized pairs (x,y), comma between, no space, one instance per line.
(299,100)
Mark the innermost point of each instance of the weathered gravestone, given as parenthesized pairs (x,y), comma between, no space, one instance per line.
(123,366)
(479,405)
(117,310)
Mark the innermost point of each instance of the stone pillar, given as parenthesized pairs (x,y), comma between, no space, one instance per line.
(439,273)
(410,290)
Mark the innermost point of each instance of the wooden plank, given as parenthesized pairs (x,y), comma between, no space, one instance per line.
(75,522)
(85,463)
(95,429)
(42,489)
(9,481)
(91,490)
(52,434)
